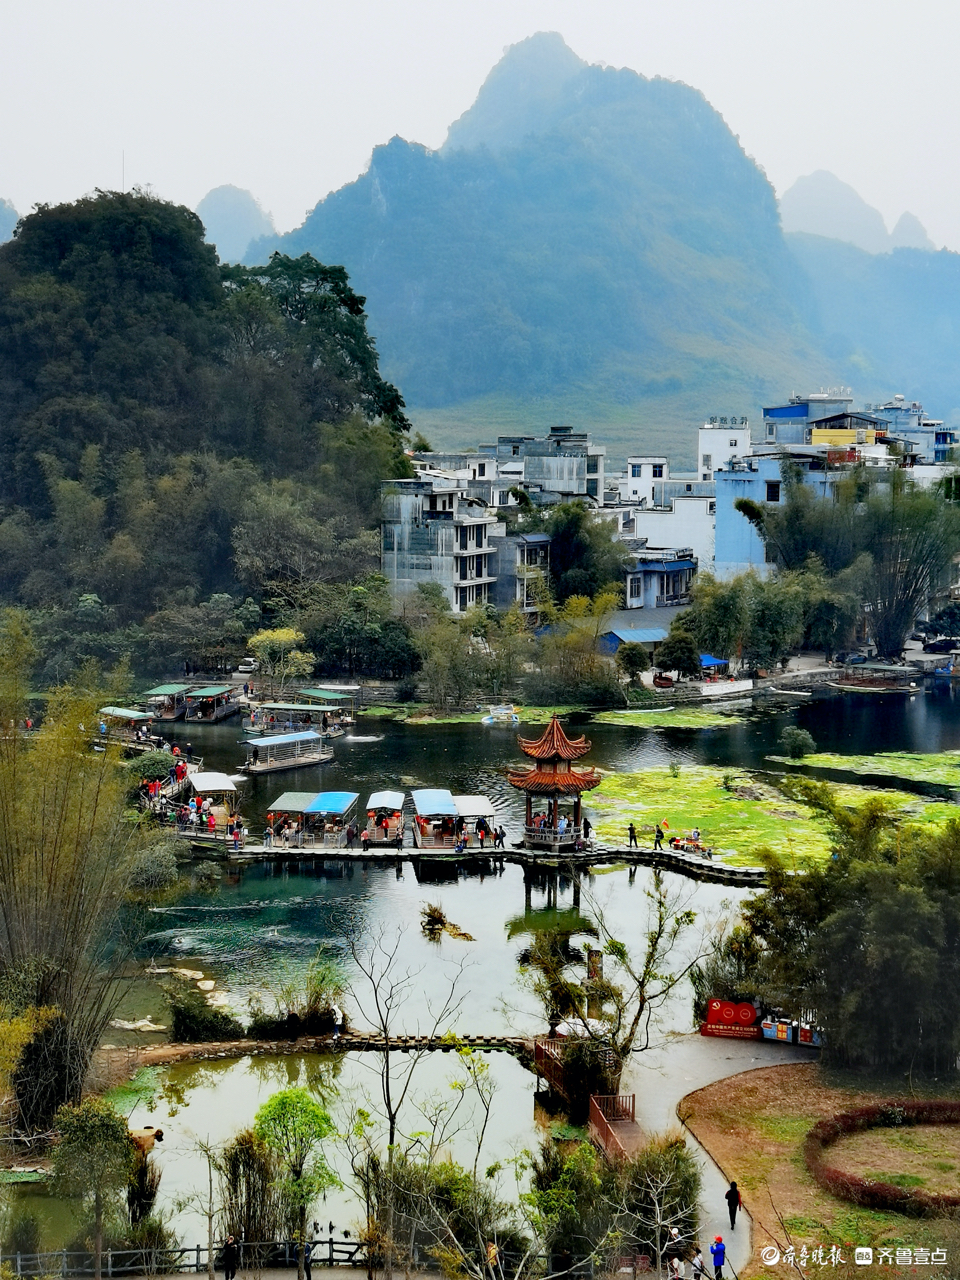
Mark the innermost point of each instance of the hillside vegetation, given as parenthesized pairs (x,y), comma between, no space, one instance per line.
(178,436)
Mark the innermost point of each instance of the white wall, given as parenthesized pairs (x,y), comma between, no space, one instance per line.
(720,444)
(689,524)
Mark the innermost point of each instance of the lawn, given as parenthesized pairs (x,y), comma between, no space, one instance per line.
(422,713)
(737,813)
(754,1124)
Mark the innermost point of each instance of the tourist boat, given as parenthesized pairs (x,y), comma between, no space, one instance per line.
(434,826)
(385,818)
(345,697)
(221,791)
(313,819)
(293,717)
(506,713)
(127,726)
(879,677)
(285,751)
(212,703)
(470,809)
(167,701)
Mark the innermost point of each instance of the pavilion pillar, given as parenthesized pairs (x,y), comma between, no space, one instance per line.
(576,887)
(529,809)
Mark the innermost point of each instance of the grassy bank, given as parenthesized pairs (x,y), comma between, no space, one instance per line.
(736,812)
(421,713)
(939,766)
(672,718)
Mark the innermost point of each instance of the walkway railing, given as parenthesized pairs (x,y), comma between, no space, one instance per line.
(127,1262)
(605,1112)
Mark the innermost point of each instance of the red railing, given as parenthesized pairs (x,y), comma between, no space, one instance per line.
(605,1112)
(548,1060)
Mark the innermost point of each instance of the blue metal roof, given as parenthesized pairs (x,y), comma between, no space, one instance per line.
(282,739)
(638,635)
(332,802)
(434,800)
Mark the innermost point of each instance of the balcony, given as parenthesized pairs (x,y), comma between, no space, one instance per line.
(664,601)
(548,839)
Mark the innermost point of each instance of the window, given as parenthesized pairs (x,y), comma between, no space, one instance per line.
(733,444)
(516,451)
(463,600)
(433,503)
(636,587)
(771,431)
(592,488)
(503,498)
(688,488)
(773,490)
(635,470)
(707,463)
(591,464)
(463,537)
(482,469)
(658,471)
(479,538)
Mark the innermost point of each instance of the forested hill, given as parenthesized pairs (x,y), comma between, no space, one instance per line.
(175,433)
(587,238)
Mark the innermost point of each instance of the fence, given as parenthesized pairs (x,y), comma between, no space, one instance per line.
(607,1111)
(327,1252)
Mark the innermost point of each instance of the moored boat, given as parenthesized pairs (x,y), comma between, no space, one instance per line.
(434,826)
(212,817)
(212,703)
(476,821)
(879,677)
(385,818)
(167,701)
(128,726)
(272,753)
(345,697)
(311,820)
(294,717)
(505,713)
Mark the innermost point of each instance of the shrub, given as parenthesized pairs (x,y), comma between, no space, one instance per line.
(797,742)
(156,867)
(304,1003)
(407,689)
(193,1021)
(883,1196)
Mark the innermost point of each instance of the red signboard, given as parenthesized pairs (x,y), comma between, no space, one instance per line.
(731,1033)
(726,1013)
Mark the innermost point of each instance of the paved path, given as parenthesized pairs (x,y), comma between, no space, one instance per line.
(662,1076)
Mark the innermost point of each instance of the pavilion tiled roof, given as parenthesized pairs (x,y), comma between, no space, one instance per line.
(540,782)
(554,744)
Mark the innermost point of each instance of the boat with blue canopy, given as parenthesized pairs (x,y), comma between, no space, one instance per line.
(306,820)
(434,826)
(272,753)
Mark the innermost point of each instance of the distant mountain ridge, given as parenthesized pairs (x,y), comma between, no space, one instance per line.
(593,246)
(820,204)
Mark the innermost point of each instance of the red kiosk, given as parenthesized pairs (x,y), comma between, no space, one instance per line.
(548,784)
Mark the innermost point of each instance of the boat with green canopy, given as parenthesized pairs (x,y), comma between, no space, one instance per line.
(346,697)
(167,701)
(212,703)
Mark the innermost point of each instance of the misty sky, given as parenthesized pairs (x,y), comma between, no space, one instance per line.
(288,97)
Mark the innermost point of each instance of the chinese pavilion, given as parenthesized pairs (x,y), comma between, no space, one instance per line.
(551,785)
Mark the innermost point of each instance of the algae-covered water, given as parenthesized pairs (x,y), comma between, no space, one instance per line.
(263,920)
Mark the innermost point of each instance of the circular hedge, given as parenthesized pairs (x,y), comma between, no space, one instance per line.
(867,1191)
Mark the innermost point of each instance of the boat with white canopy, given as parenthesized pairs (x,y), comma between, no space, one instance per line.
(472,811)
(214,811)
(385,818)
(272,753)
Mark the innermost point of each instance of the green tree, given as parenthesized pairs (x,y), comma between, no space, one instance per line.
(294,1125)
(585,556)
(632,660)
(280,657)
(678,653)
(93,1157)
(719,617)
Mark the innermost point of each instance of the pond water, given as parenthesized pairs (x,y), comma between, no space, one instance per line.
(264,920)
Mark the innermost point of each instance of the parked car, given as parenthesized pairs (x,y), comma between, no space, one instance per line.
(247,666)
(848,658)
(946,645)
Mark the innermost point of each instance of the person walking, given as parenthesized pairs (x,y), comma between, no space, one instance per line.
(231,1258)
(718,1251)
(734,1202)
(632,834)
(658,838)
(698,1264)
(307,1259)
(586,827)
